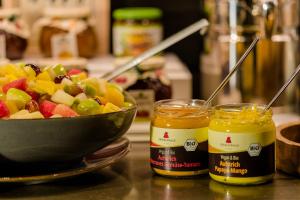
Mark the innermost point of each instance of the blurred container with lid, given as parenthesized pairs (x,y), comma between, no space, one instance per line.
(135,30)
(14,33)
(147,83)
(67,29)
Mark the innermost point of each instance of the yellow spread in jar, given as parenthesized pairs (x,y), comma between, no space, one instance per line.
(179,138)
(241,141)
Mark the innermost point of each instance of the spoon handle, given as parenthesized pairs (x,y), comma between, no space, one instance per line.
(203,23)
(283,88)
(238,64)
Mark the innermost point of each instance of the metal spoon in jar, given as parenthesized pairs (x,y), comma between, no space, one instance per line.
(238,64)
(200,25)
(282,88)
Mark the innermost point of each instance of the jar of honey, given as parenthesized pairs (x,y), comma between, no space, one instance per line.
(135,30)
(178,138)
(241,140)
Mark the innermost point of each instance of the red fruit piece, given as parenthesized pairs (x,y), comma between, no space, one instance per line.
(64,111)
(4,111)
(74,72)
(47,108)
(18,84)
(35,96)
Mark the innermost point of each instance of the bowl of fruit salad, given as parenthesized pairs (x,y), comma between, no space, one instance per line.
(51,115)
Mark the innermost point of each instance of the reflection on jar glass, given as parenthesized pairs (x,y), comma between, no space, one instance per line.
(231,192)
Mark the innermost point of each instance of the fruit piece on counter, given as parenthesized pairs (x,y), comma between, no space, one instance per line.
(59,70)
(42,87)
(62,97)
(81,96)
(47,107)
(89,107)
(109,107)
(73,89)
(12,107)
(18,84)
(24,114)
(74,72)
(44,76)
(32,106)
(115,96)
(4,111)
(20,97)
(64,111)
(35,96)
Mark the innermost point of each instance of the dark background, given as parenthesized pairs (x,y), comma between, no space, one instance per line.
(177,14)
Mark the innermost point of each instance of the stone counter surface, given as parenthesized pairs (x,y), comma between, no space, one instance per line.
(131,178)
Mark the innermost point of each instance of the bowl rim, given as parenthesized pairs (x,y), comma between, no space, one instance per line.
(126,94)
(279,135)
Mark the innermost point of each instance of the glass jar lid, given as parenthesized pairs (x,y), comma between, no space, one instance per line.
(137,13)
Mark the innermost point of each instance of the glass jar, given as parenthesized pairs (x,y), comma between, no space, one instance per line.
(178,140)
(14,34)
(136,30)
(241,139)
(147,83)
(66,32)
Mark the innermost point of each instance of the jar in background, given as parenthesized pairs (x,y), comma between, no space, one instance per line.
(67,32)
(241,139)
(136,30)
(178,140)
(14,34)
(147,83)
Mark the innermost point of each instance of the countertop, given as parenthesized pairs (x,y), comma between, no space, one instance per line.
(131,178)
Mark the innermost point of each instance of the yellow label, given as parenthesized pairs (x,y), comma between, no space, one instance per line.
(166,137)
(238,142)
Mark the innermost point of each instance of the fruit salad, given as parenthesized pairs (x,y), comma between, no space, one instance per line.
(29,92)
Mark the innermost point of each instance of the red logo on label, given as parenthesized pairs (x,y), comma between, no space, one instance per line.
(228,140)
(166,135)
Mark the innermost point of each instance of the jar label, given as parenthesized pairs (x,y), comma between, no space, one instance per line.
(64,46)
(179,149)
(241,154)
(134,40)
(144,100)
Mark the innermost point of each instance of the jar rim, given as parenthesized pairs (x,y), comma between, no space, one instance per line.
(237,111)
(202,108)
(239,106)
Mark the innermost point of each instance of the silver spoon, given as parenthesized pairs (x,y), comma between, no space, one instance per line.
(282,88)
(200,25)
(238,64)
